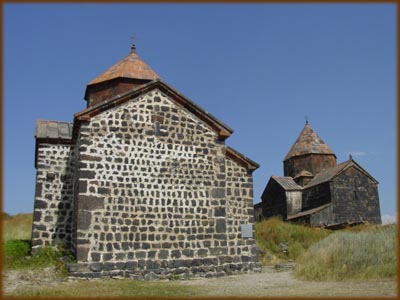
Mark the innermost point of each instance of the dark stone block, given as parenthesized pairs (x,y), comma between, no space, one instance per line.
(82,186)
(218,251)
(140,254)
(38,190)
(218,193)
(163,254)
(107,256)
(109,237)
(244,258)
(37,216)
(95,256)
(82,253)
(220,225)
(86,174)
(40,204)
(175,253)
(48,219)
(131,265)
(39,227)
(83,220)
(103,191)
(150,264)
(120,265)
(188,252)
(141,264)
(220,212)
(202,252)
(96,267)
(90,203)
(108,266)
(151,254)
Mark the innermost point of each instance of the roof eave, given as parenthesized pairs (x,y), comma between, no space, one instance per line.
(245,161)
(223,130)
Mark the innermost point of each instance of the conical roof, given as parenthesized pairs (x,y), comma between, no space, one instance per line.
(308,142)
(129,67)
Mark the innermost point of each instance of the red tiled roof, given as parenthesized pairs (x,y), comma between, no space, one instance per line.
(129,67)
(308,142)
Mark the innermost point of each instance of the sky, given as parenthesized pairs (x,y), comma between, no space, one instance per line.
(259,68)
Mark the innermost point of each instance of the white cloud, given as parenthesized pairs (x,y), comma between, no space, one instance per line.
(388,219)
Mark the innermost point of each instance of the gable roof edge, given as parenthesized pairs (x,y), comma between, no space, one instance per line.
(223,130)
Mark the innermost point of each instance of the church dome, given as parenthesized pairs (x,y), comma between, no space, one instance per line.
(130,67)
(127,74)
(308,142)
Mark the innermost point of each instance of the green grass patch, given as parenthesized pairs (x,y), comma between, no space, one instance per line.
(368,253)
(18,227)
(17,255)
(272,232)
(111,288)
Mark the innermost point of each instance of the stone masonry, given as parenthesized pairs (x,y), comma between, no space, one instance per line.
(143,186)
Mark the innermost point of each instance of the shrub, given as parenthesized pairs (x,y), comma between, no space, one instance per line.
(351,255)
(17,255)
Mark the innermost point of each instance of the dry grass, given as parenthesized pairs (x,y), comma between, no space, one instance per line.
(18,227)
(272,232)
(368,253)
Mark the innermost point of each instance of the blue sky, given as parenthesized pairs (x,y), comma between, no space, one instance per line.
(259,68)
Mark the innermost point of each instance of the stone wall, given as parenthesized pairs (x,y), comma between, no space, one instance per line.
(313,163)
(53,206)
(355,198)
(157,197)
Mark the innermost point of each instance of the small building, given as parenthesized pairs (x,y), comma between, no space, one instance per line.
(317,191)
(141,183)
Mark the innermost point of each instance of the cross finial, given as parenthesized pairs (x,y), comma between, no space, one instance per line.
(306,119)
(133,47)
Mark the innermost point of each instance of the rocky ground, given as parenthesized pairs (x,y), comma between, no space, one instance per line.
(266,284)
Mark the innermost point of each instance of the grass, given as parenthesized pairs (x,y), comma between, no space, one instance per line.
(112,288)
(272,232)
(359,253)
(17,247)
(17,227)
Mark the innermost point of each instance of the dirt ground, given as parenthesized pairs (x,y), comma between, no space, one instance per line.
(269,283)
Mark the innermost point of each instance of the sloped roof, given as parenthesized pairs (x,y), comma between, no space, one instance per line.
(129,67)
(287,183)
(223,130)
(329,174)
(247,162)
(53,130)
(308,212)
(308,142)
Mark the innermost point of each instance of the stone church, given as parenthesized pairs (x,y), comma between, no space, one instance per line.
(317,191)
(142,185)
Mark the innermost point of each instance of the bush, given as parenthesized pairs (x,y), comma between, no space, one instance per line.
(344,255)
(16,249)
(271,233)
(17,255)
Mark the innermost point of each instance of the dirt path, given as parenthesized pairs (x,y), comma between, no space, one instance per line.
(272,283)
(269,283)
